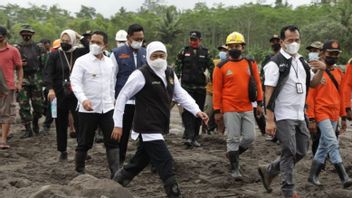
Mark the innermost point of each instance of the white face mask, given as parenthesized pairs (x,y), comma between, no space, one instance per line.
(136,44)
(119,44)
(95,49)
(292,48)
(313,56)
(158,64)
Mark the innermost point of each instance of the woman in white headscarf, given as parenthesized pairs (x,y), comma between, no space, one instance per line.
(154,86)
(57,79)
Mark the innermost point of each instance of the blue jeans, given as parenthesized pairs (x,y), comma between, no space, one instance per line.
(328,143)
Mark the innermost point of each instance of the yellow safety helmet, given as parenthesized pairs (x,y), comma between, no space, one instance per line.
(235,38)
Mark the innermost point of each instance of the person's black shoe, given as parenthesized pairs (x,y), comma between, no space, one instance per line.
(63,156)
(122,177)
(266,178)
(113,155)
(73,134)
(80,161)
(28,131)
(35,126)
(188,143)
(171,188)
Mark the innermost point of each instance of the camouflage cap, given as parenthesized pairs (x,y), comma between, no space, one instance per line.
(26,28)
(315,44)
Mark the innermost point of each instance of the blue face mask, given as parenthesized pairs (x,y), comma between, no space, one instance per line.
(223,55)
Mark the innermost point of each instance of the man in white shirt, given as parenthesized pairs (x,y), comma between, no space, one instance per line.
(93,84)
(287,78)
(155,86)
(127,58)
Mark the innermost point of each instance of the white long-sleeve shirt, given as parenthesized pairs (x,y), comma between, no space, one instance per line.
(93,79)
(134,84)
(113,58)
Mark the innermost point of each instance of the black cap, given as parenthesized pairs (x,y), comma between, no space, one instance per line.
(195,34)
(275,36)
(331,46)
(3,31)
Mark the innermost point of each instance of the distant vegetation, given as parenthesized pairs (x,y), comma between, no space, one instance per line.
(319,21)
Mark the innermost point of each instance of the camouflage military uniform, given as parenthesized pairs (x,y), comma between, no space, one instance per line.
(191,64)
(31,95)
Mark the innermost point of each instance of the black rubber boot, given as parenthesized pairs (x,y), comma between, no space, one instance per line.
(345,179)
(80,160)
(235,164)
(28,132)
(112,156)
(242,150)
(35,125)
(63,156)
(314,173)
(123,177)
(171,188)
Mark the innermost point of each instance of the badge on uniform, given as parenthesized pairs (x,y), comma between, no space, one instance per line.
(299,88)
(187,54)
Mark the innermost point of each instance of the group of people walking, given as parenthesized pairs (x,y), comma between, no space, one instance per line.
(130,91)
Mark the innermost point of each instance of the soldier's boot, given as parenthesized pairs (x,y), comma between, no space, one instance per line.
(35,125)
(112,155)
(28,132)
(345,179)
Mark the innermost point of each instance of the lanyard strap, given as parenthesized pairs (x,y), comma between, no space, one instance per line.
(296,71)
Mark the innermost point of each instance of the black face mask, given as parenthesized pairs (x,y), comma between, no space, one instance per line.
(276,47)
(26,37)
(330,60)
(235,53)
(66,46)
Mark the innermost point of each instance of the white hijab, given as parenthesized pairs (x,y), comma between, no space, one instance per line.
(154,47)
(73,40)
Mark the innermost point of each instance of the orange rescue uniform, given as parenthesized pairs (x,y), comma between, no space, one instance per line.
(325,101)
(230,86)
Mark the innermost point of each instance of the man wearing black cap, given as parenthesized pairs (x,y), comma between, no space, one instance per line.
(325,106)
(191,63)
(32,88)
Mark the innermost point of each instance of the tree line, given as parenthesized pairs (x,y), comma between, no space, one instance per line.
(320,20)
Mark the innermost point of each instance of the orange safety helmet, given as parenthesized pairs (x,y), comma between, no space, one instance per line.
(56,43)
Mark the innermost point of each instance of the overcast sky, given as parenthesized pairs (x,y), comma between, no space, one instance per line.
(110,7)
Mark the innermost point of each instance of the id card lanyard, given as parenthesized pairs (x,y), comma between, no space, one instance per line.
(299,86)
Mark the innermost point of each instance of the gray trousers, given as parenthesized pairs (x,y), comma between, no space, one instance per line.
(239,124)
(294,140)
